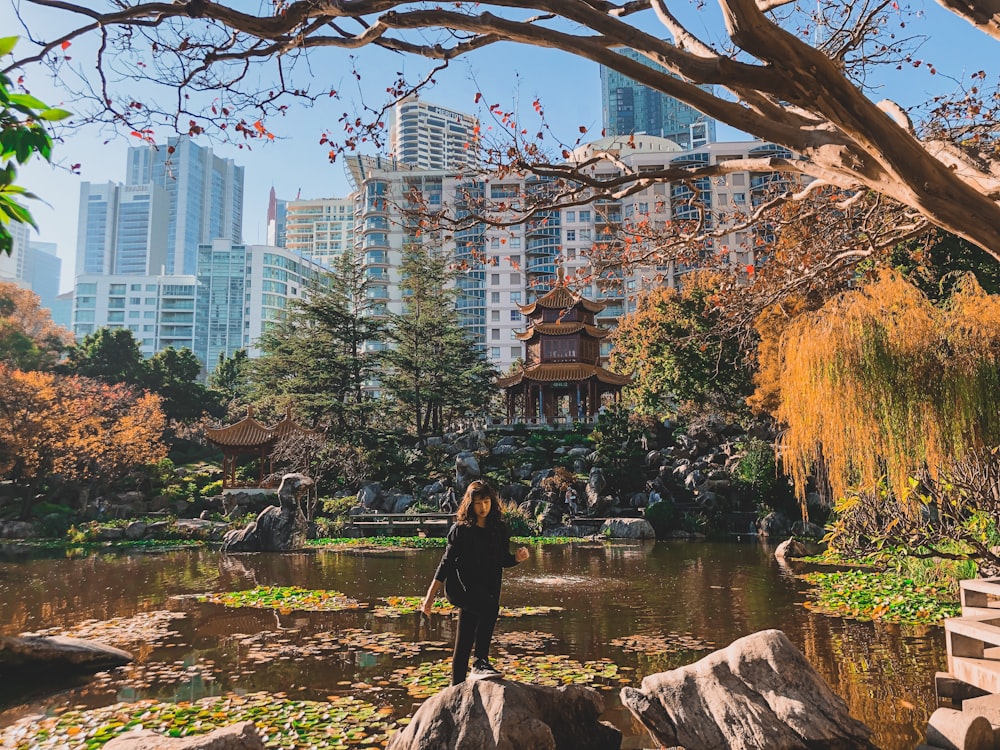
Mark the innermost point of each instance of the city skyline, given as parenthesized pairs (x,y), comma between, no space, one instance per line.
(567,86)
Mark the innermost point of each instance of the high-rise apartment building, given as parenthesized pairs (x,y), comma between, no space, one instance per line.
(31,265)
(276,215)
(504,267)
(427,136)
(631,108)
(322,228)
(204,194)
(241,290)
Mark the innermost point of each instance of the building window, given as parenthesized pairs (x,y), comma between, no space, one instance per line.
(495,279)
(515,279)
(135,300)
(585,216)
(495,316)
(585,235)
(494,296)
(515,297)
(495,352)
(739,198)
(515,352)
(571,235)
(495,334)
(515,315)
(150,300)
(570,216)
(515,242)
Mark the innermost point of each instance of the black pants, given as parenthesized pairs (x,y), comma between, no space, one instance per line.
(475,628)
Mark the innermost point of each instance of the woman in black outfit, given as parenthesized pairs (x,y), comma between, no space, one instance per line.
(478,550)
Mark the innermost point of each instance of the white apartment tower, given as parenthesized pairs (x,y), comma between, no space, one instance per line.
(322,228)
(426,136)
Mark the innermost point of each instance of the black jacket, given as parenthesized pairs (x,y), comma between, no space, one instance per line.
(479,555)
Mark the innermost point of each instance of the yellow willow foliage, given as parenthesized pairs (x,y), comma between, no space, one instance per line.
(880,383)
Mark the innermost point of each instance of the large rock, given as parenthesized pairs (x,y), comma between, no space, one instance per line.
(466,472)
(277,529)
(774,525)
(759,693)
(503,715)
(242,736)
(56,655)
(627,528)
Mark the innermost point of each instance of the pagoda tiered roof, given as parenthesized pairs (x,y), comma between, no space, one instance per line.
(553,372)
(561,298)
(562,329)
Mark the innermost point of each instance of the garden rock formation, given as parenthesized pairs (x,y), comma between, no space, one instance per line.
(759,693)
(242,736)
(277,528)
(57,655)
(499,715)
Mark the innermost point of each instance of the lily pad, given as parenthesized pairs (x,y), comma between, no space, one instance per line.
(429,678)
(285,599)
(148,628)
(337,724)
(526,641)
(660,643)
(401,606)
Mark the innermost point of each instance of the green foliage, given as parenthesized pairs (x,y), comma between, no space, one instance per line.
(231,378)
(173,373)
(53,520)
(22,136)
(676,351)
(110,355)
(618,442)
(212,489)
(433,369)
(284,598)
(317,359)
(662,516)
(518,520)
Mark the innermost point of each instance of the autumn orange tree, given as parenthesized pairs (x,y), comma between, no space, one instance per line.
(58,431)
(29,340)
(880,385)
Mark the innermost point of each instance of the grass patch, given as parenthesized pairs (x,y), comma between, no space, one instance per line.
(883,596)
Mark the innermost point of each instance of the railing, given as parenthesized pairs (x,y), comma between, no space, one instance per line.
(562,422)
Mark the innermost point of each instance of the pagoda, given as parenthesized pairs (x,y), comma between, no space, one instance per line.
(250,438)
(562,372)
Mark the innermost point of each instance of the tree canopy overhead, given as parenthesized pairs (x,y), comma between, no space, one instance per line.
(774,74)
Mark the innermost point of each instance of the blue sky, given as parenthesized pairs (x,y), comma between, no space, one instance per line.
(512,76)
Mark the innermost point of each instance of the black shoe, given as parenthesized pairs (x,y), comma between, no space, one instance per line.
(483,670)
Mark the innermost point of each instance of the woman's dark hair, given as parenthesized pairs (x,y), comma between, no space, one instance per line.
(478,489)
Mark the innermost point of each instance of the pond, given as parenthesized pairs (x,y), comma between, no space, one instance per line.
(617,600)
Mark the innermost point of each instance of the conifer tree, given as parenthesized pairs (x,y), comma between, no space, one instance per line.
(433,368)
(318,358)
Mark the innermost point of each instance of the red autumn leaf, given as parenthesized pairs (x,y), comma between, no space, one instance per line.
(66,44)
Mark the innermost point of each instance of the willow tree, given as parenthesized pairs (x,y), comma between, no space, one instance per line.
(881,385)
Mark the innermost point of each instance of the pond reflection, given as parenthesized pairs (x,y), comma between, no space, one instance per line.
(687,594)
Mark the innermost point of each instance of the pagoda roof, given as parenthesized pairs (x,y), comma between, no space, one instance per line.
(249,433)
(551,372)
(561,298)
(562,329)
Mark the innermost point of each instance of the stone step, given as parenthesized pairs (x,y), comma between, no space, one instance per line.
(962,633)
(981,673)
(983,585)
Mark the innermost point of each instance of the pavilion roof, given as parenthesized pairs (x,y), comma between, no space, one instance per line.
(562,329)
(552,372)
(249,433)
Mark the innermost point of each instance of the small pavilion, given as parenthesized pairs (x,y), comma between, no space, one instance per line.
(562,372)
(248,437)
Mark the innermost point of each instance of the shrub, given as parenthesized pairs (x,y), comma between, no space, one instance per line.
(212,489)
(517,519)
(662,516)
